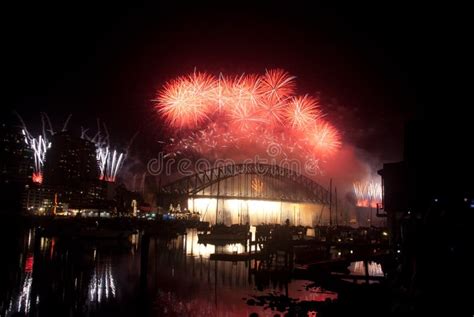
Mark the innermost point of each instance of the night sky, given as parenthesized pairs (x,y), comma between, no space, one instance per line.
(372,65)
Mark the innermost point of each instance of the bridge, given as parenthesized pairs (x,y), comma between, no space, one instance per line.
(249,181)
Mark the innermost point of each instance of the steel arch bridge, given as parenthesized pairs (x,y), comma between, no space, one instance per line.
(210,183)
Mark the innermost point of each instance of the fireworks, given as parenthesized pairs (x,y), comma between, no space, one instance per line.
(325,138)
(277,84)
(109,161)
(213,115)
(368,193)
(40,144)
(185,100)
(302,112)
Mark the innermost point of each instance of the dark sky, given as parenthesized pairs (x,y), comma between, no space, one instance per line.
(371,63)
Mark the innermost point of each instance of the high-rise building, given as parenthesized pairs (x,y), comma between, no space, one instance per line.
(70,162)
(71,172)
(16,158)
(16,165)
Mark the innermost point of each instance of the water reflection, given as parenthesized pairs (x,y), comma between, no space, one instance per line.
(102,283)
(358,268)
(194,248)
(215,288)
(20,300)
(21,303)
(58,277)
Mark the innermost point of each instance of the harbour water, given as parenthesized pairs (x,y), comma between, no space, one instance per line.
(92,278)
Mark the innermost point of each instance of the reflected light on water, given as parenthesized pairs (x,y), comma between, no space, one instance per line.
(29,238)
(102,283)
(194,248)
(29,263)
(357,268)
(317,294)
(182,280)
(134,238)
(24,300)
(234,248)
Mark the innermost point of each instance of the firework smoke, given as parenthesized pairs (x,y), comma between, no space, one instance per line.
(211,116)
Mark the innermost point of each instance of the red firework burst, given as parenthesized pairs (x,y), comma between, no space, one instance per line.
(273,111)
(246,89)
(184,102)
(37,178)
(211,115)
(302,112)
(277,84)
(325,138)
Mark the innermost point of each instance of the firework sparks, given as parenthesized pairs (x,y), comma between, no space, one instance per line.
(39,144)
(302,112)
(185,101)
(277,84)
(211,115)
(368,193)
(325,138)
(109,161)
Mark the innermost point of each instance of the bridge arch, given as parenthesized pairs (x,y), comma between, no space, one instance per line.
(195,185)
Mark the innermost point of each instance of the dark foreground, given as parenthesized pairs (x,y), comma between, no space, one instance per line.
(51,276)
